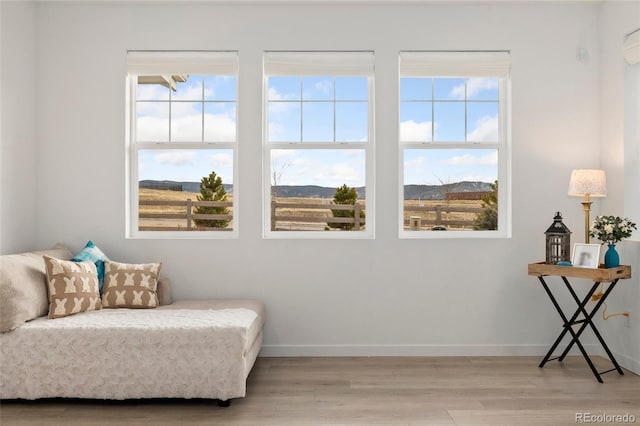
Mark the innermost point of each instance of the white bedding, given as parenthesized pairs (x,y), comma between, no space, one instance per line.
(128,353)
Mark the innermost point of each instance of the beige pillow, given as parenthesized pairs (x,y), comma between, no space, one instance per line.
(130,285)
(73,287)
(23,286)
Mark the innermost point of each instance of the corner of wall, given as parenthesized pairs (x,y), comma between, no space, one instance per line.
(18,180)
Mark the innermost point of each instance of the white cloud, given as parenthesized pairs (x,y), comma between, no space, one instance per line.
(490,159)
(221,160)
(477,85)
(299,162)
(324,86)
(476,178)
(486,130)
(186,126)
(185,109)
(339,174)
(175,158)
(281,162)
(276,131)
(190,93)
(219,128)
(276,108)
(283,154)
(152,123)
(274,95)
(152,92)
(457,92)
(410,131)
(153,109)
(297,167)
(143,168)
(152,129)
(474,86)
(415,163)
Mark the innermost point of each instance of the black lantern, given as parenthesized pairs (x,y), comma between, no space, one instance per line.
(558,241)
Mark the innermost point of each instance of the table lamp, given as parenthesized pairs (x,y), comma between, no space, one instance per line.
(587,183)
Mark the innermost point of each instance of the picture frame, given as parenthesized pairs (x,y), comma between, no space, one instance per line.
(586,255)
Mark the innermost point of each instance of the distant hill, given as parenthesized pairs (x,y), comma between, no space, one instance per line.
(439,192)
(310,191)
(411,192)
(170,185)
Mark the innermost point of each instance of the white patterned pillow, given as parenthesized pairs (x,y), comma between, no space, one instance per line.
(130,285)
(73,287)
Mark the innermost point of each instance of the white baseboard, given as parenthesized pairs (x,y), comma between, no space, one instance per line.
(412,350)
(630,364)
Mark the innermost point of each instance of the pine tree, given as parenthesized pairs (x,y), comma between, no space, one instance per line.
(212,189)
(487,219)
(344,195)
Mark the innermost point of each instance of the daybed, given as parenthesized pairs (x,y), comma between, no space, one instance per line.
(184,349)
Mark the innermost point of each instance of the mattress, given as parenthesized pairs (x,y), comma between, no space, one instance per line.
(217,304)
(132,353)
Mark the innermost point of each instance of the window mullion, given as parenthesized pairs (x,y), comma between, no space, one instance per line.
(334,109)
(466,108)
(184,145)
(317,145)
(433,110)
(170,112)
(202,94)
(301,111)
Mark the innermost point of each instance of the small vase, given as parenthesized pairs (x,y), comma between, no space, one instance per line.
(611,258)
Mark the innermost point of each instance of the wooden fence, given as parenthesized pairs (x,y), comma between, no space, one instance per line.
(188,215)
(436,212)
(287,217)
(283,214)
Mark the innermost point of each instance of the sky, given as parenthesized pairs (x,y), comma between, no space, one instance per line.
(322,110)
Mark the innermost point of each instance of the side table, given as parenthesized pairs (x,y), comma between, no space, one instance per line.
(599,275)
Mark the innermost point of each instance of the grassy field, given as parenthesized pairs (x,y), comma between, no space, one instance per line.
(163,195)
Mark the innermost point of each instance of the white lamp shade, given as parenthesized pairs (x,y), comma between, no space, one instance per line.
(588,182)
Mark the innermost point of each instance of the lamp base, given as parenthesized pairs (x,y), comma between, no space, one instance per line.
(586,204)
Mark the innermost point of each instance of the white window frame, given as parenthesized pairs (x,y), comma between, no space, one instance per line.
(320,64)
(175,63)
(446,64)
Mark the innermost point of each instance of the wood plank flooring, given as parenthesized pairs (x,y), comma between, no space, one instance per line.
(373,391)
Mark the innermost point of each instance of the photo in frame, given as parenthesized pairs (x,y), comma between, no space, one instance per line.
(586,255)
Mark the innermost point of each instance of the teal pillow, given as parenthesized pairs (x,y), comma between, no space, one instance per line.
(92,253)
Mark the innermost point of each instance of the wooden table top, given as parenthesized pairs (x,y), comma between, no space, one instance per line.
(600,274)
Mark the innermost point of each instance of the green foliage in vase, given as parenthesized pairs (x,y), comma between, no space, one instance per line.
(611,229)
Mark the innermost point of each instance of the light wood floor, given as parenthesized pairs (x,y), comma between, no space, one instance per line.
(379,391)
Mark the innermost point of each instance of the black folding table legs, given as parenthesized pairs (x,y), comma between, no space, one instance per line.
(584,322)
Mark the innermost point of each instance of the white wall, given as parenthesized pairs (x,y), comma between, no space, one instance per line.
(617,89)
(375,297)
(18,128)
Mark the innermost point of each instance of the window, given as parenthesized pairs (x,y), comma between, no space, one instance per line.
(182,133)
(318,144)
(454,144)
